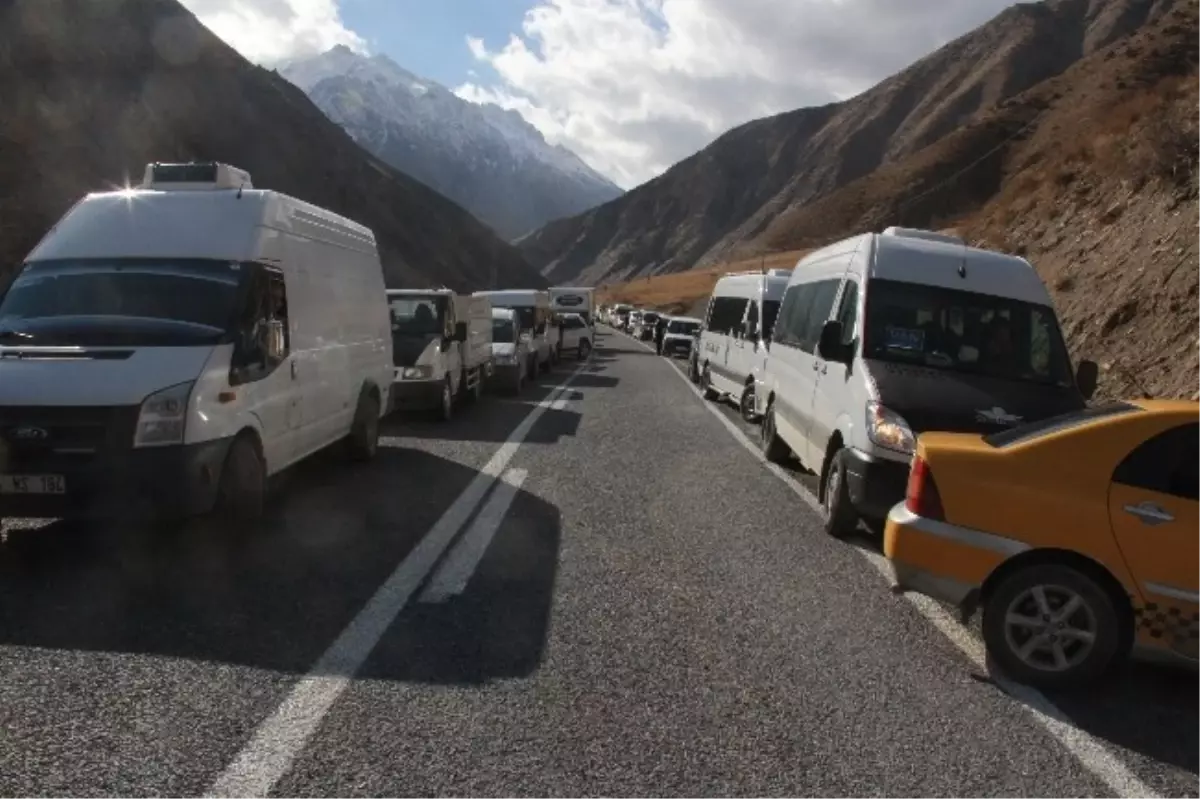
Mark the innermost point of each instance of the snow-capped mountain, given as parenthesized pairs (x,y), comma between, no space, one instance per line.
(488,160)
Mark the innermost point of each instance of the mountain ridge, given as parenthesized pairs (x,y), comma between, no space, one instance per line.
(488,159)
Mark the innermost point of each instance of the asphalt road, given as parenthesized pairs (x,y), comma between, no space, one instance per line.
(592,590)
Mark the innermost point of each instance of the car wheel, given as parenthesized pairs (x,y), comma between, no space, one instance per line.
(706,385)
(242,491)
(1051,625)
(363,441)
(445,409)
(746,404)
(585,349)
(693,371)
(774,448)
(477,391)
(840,518)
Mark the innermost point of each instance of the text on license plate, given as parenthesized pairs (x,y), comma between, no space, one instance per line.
(32,484)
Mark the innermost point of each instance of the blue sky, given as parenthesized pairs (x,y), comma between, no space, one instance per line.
(429,38)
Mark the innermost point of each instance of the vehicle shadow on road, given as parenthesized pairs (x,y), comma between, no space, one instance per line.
(495,629)
(273,597)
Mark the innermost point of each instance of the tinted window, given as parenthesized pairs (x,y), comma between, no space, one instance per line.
(1053,424)
(964,331)
(791,315)
(417,316)
(726,313)
(502,331)
(1167,463)
(819,307)
(684,328)
(770,312)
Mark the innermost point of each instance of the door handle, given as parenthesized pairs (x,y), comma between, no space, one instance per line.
(1150,513)
(816,365)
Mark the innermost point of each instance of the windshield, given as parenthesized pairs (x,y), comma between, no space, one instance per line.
(649,318)
(686,328)
(417,315)
(125,301)
(502,331)
(964,331)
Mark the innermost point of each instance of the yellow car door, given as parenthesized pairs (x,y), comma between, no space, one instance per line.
(1155,517)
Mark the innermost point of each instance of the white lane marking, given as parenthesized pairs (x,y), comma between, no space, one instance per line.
(452,576)
(1093,755)
(281,737)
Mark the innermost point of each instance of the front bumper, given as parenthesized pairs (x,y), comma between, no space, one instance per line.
(156,482)
(875,485)
(416,394)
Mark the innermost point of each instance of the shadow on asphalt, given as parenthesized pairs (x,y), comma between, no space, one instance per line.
(276,596)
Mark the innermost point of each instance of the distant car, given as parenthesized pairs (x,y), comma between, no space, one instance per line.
(576,335)
(1075,534)
(645,327)
(679,336)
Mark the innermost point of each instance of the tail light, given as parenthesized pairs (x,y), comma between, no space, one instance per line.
(922,498)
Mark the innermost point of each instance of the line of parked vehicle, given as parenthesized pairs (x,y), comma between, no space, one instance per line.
(888,358)
(166,350)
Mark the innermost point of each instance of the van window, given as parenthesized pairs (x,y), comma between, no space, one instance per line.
(265,302)
(684,328)
(502,331)
(770,311)
(806,307)
(726,313)
(418,316)
(848,311)
(123,301)
(964,331)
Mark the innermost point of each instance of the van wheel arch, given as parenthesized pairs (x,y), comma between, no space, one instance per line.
(238,505)
(1062,557)
(835,443)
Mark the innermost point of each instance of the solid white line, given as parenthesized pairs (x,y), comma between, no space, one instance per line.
(452,576)
(281,737)
(1093,755)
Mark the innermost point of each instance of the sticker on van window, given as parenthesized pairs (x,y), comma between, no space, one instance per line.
(904,338)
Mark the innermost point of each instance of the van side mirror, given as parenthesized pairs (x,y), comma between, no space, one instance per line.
(460,331)
(1087,377)
(830,346)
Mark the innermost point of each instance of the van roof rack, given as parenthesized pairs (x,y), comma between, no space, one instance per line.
(195,176)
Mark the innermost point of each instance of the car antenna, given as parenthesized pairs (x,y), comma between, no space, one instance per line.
(241,186)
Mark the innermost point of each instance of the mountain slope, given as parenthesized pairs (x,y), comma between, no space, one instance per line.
(490,161)
(719,202)
(95,90)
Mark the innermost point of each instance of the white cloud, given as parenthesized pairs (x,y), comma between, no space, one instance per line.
(633,86)
(270,31)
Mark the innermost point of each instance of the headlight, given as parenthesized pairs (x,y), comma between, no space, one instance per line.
(416,372)
(888,429)
(163,417)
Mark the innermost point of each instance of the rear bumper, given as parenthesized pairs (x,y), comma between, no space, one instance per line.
(157,482)
(677,346)
(875,485)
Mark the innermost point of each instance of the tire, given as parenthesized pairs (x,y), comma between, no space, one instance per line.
(1017,596)
(693,371)
(477,392)
(710,393)
(363,441)
(242,491)
(840,517)
(444,411)
(746,404)
(774,448)
(585,349)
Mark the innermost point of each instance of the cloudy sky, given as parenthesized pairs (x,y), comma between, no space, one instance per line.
(632,86)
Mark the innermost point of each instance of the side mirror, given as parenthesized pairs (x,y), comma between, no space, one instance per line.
(830,346)
(460,331)
(276,343)
(1087,376)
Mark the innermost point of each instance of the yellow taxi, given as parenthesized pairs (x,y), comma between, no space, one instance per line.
(1077,536)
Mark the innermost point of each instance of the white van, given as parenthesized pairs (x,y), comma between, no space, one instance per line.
(537,322)
(513,360)
(740,316)
(169,348)
(441,347)
(884,336)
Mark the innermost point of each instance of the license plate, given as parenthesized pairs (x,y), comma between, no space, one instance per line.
(32,484)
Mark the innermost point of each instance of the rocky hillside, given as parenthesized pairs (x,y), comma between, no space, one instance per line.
(94,90)
(488,160)
(752,190)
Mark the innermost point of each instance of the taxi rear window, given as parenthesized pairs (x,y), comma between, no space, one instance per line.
(1053,424)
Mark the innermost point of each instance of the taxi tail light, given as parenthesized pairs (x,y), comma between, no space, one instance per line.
(922,497)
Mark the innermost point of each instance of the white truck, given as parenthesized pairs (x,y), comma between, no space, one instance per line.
(441,348)
(572,299)
(537,323)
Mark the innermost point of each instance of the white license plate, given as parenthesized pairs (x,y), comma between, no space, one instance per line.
(32,484)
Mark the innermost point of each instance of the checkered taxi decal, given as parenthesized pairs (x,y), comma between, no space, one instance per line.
(1169,625)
